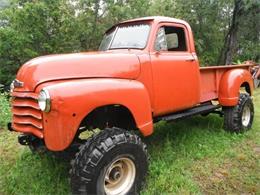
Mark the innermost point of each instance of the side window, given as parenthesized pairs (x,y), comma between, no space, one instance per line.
(170,39)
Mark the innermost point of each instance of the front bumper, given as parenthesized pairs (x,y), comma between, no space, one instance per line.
(23,139)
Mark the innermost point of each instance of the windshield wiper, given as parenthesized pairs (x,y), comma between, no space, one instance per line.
(125,48)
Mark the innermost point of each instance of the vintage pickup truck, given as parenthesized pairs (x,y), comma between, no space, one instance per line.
(146,70)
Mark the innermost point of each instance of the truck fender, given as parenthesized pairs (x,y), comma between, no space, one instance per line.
(72,101)
(230,84)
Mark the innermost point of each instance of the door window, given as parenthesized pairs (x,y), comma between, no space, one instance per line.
(170,39)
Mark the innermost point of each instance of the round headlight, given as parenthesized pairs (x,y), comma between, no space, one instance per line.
(44,100)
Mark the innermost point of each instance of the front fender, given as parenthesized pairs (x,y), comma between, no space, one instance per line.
(230,85)
(72,100)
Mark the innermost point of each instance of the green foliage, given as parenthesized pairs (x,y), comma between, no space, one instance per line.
(5,115)
(30,28)
(243,33)
(248,46)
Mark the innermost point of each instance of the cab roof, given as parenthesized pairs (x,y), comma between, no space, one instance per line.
(156,19)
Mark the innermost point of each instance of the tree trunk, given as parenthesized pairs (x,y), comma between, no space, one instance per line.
(230,44)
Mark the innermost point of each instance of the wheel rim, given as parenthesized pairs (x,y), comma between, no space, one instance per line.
(246,116)
(119,176)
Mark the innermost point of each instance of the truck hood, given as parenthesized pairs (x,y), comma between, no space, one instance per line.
(75,66)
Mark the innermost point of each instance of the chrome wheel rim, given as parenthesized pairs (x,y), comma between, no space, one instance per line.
(246,116)
(119,176)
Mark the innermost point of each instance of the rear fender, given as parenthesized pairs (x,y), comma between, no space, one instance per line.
(72,101)
(230,85)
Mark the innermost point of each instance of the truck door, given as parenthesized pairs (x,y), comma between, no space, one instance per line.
(175,70)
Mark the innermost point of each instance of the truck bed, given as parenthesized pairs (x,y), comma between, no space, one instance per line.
(210,79)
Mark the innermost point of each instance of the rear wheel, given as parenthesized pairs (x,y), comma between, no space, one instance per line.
(112,162)
(240,117)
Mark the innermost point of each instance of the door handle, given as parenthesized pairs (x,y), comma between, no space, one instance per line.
(190,60)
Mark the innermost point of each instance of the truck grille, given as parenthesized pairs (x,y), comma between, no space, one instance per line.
(27,116)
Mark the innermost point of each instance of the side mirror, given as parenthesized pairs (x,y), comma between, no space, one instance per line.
(158,47)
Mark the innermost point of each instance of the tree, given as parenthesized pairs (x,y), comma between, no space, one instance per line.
(32,28)
(225,30)
(243,25)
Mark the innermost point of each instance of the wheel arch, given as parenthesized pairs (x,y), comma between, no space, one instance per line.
(247,87)
(73,101)
(112,115)
(230,84)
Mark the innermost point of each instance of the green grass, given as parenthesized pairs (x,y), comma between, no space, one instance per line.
(194,156)
(5,114)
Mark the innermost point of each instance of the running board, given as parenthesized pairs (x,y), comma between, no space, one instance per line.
(202,109)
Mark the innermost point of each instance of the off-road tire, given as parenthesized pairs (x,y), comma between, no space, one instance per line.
(88,169)
(233,116)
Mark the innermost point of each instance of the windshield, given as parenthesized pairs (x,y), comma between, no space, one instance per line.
(126,36)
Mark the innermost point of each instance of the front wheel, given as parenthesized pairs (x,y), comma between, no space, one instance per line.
(240,117)
(112,162)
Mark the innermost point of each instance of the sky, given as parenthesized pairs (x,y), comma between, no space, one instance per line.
(3,3)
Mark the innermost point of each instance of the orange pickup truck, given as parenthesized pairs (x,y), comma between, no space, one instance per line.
(146,70)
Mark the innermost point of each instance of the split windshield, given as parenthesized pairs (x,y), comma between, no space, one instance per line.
(126,37)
